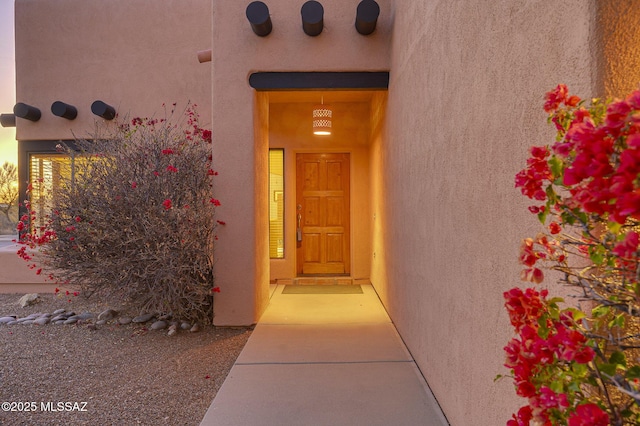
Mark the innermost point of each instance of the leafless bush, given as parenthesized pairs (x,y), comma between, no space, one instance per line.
(133,217)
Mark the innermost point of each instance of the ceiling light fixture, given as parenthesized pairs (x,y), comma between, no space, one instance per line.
(322,119)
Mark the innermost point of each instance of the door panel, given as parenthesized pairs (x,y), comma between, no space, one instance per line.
(322,192)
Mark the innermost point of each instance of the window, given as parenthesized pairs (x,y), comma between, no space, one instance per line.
(46,175)
(276,203)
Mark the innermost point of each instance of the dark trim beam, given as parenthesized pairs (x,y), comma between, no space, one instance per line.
(367,16)
(258,16)
(27,112)
(319,80)
(103,110)
(8,120)
(61,109)
(312,18)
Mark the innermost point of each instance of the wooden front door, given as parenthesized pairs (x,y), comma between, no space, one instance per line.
(322,213)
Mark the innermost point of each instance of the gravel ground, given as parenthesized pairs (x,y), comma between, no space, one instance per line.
(119,374)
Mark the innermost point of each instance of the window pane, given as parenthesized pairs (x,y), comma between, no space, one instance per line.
(276,203)
(46,174)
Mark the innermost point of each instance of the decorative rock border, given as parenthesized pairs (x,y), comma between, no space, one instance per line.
(109,316)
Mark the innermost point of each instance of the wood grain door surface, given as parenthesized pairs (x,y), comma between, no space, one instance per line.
(322,205)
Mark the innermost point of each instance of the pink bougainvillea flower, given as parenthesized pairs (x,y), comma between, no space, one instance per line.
(528,256)
(572,101)
(555,97)
(172,169)
(524,307)
(589,415)
(525,389)
(617,113)
(550,399)
(215,202)
(221,222)
(628,248)
(167,151)
(554,228)
(57,290)
(134,185)
(211,172)
(215,290)
(531,179)
(167,204)
(584,355)
(206,135)
(534,275)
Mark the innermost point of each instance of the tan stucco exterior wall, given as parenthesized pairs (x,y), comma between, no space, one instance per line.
(465,103)
(619,26)
(15,271)
(237,52)
(133,55)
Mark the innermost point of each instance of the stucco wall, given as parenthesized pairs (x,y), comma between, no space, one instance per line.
(619,26)
(132,54)
(465,98)
(15,272)
(237,52)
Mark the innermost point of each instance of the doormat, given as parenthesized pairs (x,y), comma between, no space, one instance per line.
(322,289)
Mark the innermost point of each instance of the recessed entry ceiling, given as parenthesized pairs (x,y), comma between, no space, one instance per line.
(326,96)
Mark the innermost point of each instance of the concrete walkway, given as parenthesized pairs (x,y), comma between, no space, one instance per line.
(324,359)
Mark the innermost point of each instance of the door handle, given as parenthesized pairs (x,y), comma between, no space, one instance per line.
(299,229)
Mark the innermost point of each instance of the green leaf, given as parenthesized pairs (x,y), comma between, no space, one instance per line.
(608,369)
(596,255)
(600,311)
(577,314)
(542,216)
(551,194)
(555,300)
(614,227)
(618,358)
(543,329)
(617,321)
(633,372)
(582,216)
(555,164)
(568,218)
(580,370)
(574,387)
(557,386)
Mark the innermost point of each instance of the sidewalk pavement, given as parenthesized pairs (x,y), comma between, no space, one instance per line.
(324,359)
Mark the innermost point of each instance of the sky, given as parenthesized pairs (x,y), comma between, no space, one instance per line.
(8,144)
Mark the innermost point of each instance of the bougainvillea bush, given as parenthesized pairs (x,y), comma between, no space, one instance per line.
(581,365)
(132,217)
